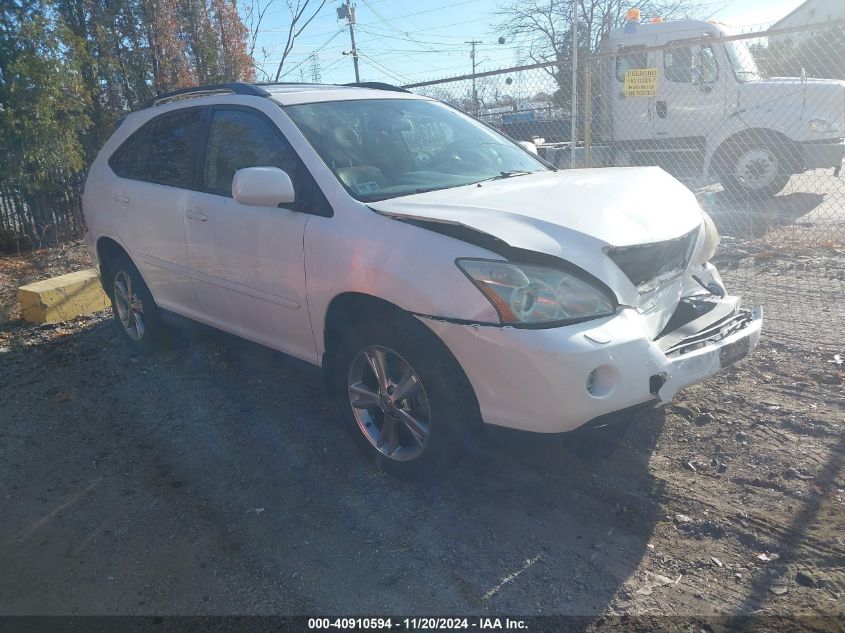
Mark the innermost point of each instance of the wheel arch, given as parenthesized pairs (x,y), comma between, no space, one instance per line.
(348,309)
(108,249)
(763,135)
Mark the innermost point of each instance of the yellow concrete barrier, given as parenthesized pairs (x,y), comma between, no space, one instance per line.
(62,298)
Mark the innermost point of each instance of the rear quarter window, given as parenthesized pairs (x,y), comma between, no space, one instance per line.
(131,158)
(162,151)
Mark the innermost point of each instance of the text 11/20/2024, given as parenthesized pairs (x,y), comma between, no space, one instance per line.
(421,624)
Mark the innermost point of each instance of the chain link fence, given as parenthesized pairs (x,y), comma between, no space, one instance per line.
(753,123)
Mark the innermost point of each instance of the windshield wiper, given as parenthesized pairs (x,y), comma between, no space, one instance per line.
(500,176)
(507,174)
(427,189)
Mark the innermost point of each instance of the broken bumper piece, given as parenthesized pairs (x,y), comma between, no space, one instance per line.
(717,345)
(558,379)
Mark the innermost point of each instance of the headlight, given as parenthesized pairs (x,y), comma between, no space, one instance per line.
(711,241)
(535,294)
(822,126)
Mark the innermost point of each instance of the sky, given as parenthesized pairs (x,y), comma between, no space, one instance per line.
(402,42)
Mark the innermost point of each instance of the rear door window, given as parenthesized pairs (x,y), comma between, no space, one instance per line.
(173,148)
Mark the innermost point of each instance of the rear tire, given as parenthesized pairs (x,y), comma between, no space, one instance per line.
(135,311)
(403,397)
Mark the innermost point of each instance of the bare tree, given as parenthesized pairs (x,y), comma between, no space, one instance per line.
(254,12)
(302,12)
(544,27)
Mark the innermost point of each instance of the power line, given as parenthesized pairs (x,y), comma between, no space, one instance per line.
(390,24)
(432,10)
(314,52)
(428,47)
(403,39)
(385,69)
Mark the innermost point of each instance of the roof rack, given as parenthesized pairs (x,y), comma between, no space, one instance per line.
(236,87)
(376,85)
(289,83)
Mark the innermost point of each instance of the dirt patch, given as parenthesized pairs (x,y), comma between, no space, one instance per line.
(214,477)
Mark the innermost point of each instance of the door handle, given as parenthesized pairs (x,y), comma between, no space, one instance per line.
(121,198)
(661,109)
(195,215)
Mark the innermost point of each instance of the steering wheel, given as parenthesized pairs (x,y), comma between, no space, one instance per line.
(459,155)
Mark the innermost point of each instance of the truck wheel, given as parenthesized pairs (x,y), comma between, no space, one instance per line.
(133,306)
(755,171)
(402,396)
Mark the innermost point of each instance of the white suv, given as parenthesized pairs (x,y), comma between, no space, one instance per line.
(442,275)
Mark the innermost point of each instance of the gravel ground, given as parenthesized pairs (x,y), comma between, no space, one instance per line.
(214,478)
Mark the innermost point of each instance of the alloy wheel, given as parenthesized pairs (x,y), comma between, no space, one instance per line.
(389,402)
(130,309)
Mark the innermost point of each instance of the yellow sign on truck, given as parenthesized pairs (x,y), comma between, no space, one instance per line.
(640,82)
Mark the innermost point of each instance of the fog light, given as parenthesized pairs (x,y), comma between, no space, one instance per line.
(655,383)
(600,381)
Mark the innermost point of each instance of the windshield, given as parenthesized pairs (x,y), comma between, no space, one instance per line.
(384,148)
(742,61)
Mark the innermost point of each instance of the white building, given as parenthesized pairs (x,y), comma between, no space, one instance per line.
(808,13)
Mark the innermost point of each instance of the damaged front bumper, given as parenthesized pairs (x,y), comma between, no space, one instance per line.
(696,353)
(556,380)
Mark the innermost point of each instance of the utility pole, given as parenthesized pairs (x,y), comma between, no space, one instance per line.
(347,11)
(573,104)
(474,91)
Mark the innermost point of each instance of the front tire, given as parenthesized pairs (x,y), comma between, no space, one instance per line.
(403,397)
(755,170)
(133,307)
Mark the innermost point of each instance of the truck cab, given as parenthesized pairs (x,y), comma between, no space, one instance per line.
(710,113)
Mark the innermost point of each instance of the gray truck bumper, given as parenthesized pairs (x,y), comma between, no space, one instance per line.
(819,155)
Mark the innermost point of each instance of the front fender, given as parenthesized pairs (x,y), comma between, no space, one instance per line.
(408,266)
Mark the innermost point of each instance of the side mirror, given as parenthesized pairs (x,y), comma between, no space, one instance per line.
(529,146)
(262,187)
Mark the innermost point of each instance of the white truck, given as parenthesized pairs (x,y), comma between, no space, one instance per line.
(702,110)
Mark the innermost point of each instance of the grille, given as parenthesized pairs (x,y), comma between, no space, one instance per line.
(647,262)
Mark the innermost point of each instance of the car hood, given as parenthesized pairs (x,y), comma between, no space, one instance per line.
(573,215)
(547,211)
